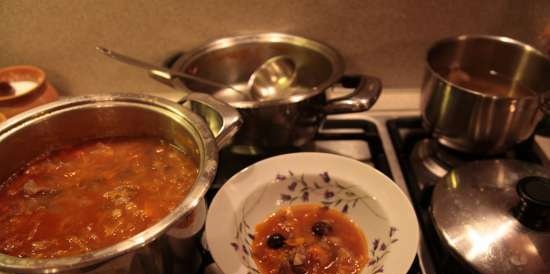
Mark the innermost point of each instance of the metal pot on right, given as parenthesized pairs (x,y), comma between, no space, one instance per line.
(484,94)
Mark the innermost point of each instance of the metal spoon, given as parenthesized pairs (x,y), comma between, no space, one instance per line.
(163,72)
(272,80)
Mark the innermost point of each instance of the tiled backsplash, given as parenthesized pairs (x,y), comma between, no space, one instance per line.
(386,38)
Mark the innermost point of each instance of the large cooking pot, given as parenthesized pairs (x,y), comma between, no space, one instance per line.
(74,120)
(494,215)
(467,102)
(275,124)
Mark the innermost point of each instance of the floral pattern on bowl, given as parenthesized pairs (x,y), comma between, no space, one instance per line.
(259,190)
(323,190)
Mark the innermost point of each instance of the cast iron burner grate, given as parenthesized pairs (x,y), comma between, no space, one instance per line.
(358,139)
(408,137)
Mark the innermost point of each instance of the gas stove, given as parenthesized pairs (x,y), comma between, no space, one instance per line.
(391,139)
(356,137)
(422,163)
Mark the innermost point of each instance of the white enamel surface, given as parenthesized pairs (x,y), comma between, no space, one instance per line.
(255,192)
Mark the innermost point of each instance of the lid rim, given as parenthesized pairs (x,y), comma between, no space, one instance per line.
(472,211)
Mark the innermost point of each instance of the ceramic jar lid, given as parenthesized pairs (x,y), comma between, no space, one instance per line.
(22,88)
(17,81)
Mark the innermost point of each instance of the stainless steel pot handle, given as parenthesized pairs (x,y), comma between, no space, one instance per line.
(366,91)
(223,120)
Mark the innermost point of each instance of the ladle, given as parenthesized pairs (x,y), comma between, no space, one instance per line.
(272,80)
(269,81)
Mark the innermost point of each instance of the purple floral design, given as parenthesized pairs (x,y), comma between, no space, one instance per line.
(242,245)
(379,250)
(334,193)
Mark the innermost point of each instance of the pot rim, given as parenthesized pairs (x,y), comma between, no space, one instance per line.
(208,164)
(503,39)
(330,53)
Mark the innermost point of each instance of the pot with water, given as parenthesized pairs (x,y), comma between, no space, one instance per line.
(484,94)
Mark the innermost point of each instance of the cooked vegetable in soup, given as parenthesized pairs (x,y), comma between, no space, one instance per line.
(91,196)
(310,239)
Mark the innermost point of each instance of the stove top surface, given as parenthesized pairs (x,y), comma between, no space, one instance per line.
(356,138)
(422,163)
(398,146)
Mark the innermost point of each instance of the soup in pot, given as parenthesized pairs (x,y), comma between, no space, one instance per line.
(90,196)
(490,83)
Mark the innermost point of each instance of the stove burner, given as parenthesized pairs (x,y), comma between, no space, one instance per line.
(431,160)
(423,161)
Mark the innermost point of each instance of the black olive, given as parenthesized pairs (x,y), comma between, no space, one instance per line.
(321,229)
(298,269)
(275,241)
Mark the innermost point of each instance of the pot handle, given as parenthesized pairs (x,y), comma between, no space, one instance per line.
(223,120)
(366,91)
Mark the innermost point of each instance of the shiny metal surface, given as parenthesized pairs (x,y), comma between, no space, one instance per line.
(162,72)
(431,163)
(290,121)
(472,209)
(232,60)
(366,93)
(471,120)
(223,120)
(74,120)
(273,79)
(408,108)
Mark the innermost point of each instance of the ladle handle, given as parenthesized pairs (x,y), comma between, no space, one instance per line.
(533,210)
(155,70)
(224,121)
(366,92)
(159,71)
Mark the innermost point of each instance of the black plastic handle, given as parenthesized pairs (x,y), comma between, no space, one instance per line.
(533,210)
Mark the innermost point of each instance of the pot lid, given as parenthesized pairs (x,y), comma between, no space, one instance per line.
(495,215)
(232,60)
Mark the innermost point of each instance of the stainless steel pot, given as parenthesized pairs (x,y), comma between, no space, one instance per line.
(73,120)
(291,121)
(476,121)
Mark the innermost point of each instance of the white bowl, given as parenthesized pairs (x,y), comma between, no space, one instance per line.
(367,196)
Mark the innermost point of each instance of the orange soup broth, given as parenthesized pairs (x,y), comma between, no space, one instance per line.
(295,224)
(91,196)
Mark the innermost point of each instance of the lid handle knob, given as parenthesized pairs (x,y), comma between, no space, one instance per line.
(533,210)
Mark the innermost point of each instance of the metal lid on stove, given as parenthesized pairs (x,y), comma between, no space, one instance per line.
(495,215)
